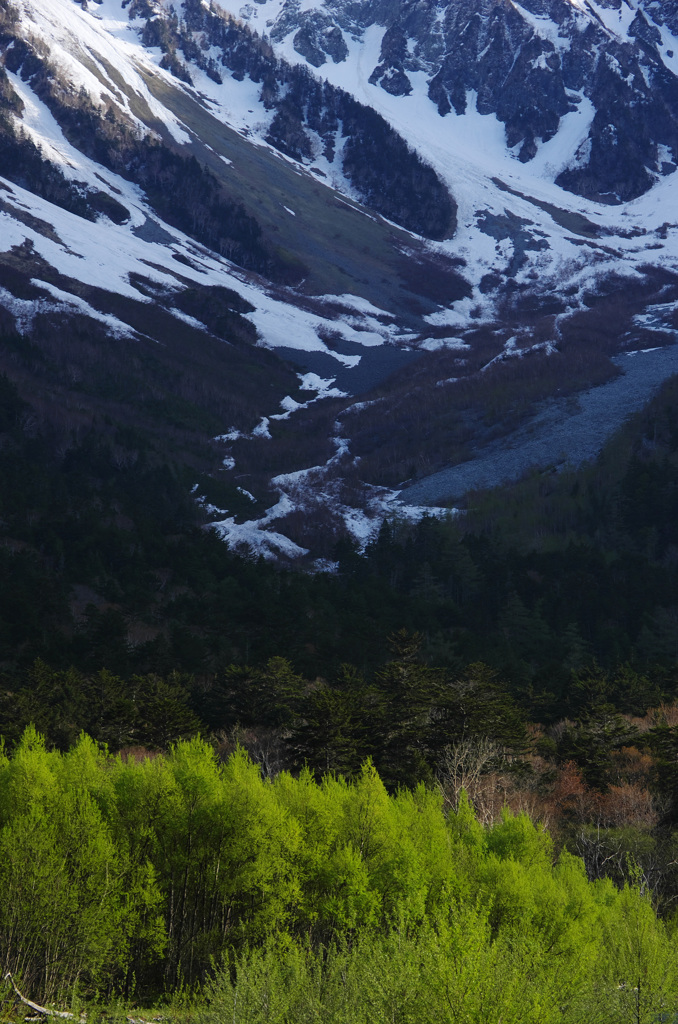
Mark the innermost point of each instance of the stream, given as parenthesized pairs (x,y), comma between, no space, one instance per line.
(564,432)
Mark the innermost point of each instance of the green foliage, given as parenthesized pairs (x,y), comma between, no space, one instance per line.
(640,955)
(451,970)
(306,901)
(71,908)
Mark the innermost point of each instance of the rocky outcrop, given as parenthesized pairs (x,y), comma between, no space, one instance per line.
(530,64)
(390,72)
(318,38)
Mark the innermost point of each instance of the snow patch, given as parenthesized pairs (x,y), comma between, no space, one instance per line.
(261,430)
(543,27)
(257,539)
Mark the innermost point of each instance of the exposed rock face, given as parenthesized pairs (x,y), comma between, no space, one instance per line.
(390,73)
(530,64)
(665,13)
(319,38)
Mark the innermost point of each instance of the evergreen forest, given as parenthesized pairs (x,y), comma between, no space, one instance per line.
(437,784)
(431,779)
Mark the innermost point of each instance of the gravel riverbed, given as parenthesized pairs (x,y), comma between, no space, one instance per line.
(564,432)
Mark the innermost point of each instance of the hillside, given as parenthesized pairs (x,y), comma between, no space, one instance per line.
(339,510)
(361,190)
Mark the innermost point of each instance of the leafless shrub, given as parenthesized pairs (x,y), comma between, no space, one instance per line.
(265,747)
(471,765)
(138,753)
(667,714)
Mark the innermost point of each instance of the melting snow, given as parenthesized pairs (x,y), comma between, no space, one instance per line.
(468,151)
(261,430)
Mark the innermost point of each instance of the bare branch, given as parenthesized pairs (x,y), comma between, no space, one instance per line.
(36,1006)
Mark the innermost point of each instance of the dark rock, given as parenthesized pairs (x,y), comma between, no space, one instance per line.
(334,44)
(305,43)
(640,28)
(318,38)
(389,73)
(393,81)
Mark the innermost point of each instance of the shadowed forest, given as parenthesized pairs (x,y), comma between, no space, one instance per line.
(434,782)
(439,783)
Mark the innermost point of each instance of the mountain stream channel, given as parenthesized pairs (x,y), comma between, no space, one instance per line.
(564,432)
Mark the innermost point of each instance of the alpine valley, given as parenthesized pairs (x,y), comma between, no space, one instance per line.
(339,511)
(338,247)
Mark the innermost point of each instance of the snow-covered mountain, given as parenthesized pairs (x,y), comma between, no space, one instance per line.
(597,80)
(439,199)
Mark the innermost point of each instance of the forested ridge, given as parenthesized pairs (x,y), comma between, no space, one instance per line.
(198,204)
(385,172)
(311,115)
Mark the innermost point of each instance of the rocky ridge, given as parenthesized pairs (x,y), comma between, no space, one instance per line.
(531,64)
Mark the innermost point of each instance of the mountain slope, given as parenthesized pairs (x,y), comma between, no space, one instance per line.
(179,184)
(610,63)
